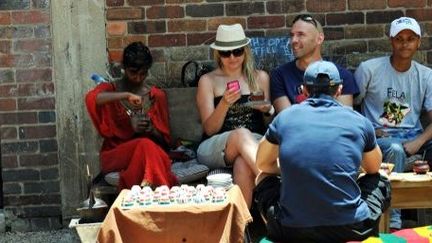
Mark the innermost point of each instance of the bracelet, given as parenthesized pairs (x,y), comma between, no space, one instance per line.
(270,112)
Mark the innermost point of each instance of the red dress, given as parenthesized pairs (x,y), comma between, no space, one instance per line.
(137,158)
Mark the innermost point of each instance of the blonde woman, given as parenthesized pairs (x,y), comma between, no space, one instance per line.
(232,124)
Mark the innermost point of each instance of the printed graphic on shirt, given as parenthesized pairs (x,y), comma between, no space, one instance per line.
(300,97)
(393,113)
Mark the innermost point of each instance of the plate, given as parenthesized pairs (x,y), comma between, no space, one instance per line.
(415,177)
(395,177)
(258,102)
(222,177)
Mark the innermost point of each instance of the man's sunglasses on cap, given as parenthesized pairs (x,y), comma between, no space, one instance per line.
(306,18)
(236,52)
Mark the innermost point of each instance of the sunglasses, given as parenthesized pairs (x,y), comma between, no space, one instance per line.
(306,18)
(236,52)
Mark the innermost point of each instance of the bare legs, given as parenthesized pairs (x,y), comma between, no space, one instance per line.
(241,149)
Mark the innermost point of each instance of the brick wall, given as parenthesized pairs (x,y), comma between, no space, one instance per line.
(29,161)
(176,31)
(180,30)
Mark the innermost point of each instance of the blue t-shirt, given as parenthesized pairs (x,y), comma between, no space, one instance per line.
(320,149)
(287,79)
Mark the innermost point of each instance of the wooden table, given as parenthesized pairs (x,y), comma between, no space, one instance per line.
(207,222)
(408,194)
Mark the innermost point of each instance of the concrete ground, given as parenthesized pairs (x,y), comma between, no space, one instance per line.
(57,236)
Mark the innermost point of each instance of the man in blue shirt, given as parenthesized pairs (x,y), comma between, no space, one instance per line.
(307,37)
(318,197)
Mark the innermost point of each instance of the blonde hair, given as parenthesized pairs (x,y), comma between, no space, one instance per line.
(248,67)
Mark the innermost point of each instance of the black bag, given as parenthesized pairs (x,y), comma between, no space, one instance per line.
(192,72)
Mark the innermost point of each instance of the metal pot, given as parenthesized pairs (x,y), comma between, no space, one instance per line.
(92,209)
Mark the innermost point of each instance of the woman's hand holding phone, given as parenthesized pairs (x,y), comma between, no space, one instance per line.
(232,92)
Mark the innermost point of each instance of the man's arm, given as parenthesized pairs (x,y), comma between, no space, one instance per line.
(372,160)
(412,147)
(281,103)
(266,159)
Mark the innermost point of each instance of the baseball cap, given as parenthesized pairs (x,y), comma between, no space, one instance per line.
(404,23)
(316,69)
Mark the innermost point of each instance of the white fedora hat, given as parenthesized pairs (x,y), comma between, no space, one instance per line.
(230,37)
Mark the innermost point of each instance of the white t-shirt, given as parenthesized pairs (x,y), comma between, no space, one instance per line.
(392,99)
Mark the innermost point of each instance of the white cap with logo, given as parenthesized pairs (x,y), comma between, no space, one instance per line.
(404,23)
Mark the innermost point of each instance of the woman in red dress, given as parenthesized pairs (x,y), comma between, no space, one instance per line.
(132,117)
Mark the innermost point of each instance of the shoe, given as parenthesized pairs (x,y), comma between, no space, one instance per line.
(392,230)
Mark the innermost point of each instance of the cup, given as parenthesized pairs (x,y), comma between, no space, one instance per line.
(387,167)
(256,96)
(421,167)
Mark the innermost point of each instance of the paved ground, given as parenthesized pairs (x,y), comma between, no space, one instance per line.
(58,236)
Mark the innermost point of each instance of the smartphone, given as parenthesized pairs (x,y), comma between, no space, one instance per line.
(233,85)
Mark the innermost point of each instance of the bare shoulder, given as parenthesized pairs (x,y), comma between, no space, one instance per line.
(262,76)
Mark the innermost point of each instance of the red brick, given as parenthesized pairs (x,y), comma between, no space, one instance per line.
(18,118)
(23,61)
(35,45)
(36,103)
(158,55)
(30,17)
(5,46)
(115,42)
(382,17)
(42,59)
(325,5)
(345,18)
(6,60)
(200,38)
(364,31)
(5,18)
(8,90)
(427,29)
(124,13)
(8,104)
(259,22)
(116,28)
(115,55)
(114,3)
(186,25)
(34,75)
(9,162)
(133,38)
(37,132)
(145,2)
(38,160)
(38,89)
(214,23)
(146,27)
(184,1)
(284,7)
(407,3)
(420,14)
(366,4)
(8,132)
(167,12)
(167,40)
(334,33)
